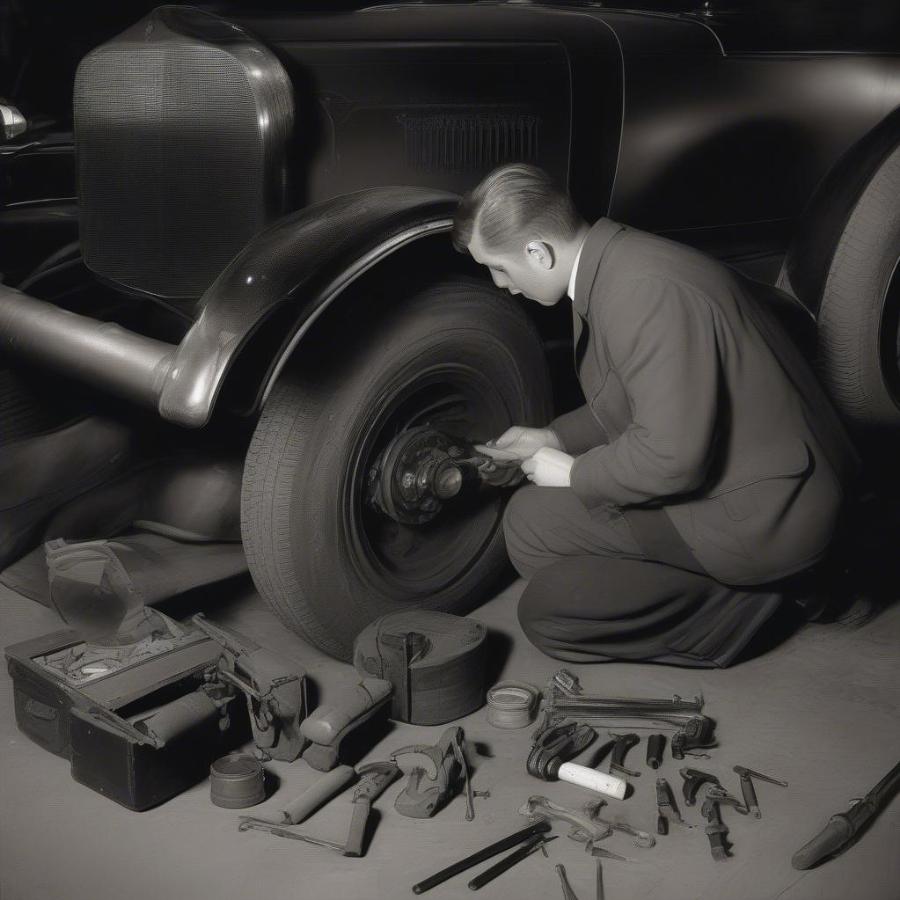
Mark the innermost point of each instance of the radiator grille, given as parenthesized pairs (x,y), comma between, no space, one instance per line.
(180,157)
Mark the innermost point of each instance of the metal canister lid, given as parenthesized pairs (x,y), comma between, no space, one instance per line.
(236,781)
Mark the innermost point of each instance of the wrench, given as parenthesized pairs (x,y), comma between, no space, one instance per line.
(641,838)
(583,828)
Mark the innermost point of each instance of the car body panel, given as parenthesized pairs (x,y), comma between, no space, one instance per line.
(304,261)
(662,121)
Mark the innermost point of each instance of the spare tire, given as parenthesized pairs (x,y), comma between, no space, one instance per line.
(843,265)
(460,357)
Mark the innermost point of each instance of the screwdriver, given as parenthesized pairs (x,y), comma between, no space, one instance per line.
(568,893)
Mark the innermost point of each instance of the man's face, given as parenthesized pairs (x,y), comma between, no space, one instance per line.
(530,270)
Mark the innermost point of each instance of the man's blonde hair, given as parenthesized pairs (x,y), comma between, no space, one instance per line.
(511,200)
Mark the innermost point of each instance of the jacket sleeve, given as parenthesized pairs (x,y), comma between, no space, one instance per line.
(661,341)
(578,430)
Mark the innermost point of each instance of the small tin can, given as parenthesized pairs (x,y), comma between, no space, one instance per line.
(236,781)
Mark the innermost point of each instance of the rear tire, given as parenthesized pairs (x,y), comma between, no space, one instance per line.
(459,356)
(859,315)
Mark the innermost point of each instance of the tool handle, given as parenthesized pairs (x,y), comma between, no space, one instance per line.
(749,794)
(622,745)
(374,778)
(829,841)
(489,874)
(841,828)
(357,833)
(593,780)
(568,893)
(656,744)
(511,840)
(315,796)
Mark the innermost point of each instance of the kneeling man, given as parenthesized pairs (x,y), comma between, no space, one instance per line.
(668,514)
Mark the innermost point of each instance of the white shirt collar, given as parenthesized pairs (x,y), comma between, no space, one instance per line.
(571,289)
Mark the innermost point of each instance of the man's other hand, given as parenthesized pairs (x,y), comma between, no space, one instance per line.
(549,467)
(518,443)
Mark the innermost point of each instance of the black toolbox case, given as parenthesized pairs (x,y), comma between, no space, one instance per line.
(64,720)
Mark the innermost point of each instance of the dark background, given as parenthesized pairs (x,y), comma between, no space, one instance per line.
(42,41)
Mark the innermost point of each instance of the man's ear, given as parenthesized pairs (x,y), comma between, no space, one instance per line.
(540,254)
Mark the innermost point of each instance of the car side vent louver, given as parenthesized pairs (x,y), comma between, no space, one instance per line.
(464,142)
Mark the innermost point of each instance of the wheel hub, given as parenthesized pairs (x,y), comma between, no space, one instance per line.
(422,468)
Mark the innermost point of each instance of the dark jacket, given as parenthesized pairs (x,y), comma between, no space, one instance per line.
(697,402)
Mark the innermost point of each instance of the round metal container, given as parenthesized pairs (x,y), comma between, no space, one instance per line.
(236,781)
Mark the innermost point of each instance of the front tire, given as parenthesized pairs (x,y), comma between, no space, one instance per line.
(460,357)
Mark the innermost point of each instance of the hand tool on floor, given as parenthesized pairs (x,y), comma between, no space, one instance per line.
(656,745)
(567,892)
(620,745)
(623,743)
(564,699)
(248,823)
(749,792)
(666,809)
(694,779)
(641,838)
(275,688)
(317,795)
(608,854)
(331,723)
(601,894)
(553,747)
(538,842)
(583,828)
(716,830)
(536,828)
(436,771)
(842,828)
(563,680)
(373,779)
(721,796)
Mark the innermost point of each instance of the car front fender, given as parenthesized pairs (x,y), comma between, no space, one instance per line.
(305,259)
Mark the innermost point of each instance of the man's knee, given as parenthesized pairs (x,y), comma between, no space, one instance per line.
(522,530)
(538,605)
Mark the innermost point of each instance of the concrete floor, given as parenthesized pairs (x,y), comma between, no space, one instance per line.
(821,711)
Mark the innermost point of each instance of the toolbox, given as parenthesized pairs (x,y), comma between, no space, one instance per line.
(137,723)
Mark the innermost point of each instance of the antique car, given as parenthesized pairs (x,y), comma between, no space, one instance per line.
(242,225)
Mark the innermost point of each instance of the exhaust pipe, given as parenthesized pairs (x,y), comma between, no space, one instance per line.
(101,354)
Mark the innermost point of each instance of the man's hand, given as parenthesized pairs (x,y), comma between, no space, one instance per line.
(519,443)
(549,467)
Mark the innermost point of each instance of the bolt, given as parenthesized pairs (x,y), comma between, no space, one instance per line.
(449,482)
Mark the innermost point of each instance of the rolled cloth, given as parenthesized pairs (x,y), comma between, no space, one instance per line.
(434,661)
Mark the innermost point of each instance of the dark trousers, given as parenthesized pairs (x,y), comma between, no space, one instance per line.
(594,594)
